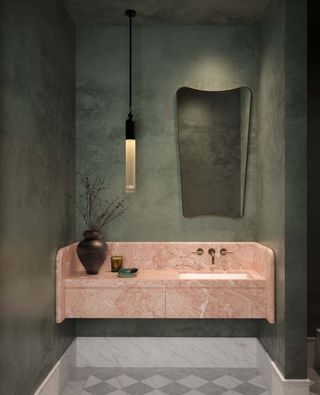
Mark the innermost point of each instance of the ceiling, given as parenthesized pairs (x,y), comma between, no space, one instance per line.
(186,12)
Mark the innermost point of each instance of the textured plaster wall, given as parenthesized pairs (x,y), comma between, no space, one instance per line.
(313,168)
(167,328)
(165,59)
(37,111)
(282,177)
(173,12)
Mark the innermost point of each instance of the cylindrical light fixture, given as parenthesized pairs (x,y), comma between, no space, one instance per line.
(130,124)
(130,155)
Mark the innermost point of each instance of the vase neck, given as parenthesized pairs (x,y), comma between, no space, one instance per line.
(92,234)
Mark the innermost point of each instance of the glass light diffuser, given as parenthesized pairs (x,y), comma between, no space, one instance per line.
(130,165)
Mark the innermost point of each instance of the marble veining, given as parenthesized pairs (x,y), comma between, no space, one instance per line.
(158,292)
(166,352)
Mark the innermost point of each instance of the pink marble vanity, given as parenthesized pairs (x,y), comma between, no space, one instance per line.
(167,284)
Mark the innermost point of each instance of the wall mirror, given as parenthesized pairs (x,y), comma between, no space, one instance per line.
(213,129)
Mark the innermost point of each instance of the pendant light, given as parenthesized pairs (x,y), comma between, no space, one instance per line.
(130,123)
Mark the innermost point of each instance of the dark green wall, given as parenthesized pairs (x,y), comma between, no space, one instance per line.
(37,81)
(282,177)
(313,167)
(167,327)
(165,59)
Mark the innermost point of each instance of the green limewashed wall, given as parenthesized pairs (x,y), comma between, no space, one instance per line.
(37,78)
(282,177)
(165,59)
(313,167)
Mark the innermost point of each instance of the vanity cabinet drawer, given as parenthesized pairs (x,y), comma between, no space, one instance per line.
(115,303)
(215,303)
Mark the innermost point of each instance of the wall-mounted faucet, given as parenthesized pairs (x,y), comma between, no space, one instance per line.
(224,251)
(198,252)
(212,252)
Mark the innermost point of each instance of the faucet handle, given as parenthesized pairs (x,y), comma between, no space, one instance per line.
(212,252)
(198,252)
(224,251)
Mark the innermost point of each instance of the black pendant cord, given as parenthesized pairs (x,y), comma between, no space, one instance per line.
(131,14)
(130,126)
(130,64)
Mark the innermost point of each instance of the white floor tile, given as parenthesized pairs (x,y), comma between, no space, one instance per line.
(157,381)
(227,381)
(192,381)
(92,380)
(121,381)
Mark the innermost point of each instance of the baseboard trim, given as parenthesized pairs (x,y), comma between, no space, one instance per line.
(59,374)
(276,383)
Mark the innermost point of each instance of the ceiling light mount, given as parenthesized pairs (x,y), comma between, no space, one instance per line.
(131,13)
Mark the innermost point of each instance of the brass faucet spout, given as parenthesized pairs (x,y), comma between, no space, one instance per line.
(212,252)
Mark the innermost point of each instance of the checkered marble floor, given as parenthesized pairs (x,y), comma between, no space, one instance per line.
(165,381)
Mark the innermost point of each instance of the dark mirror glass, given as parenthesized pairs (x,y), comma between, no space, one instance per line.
(213,128)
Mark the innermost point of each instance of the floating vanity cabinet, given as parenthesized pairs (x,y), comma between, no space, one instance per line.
(172,282)
(122,302)
(215,302)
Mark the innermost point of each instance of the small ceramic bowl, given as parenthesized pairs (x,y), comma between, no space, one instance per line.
(127,272)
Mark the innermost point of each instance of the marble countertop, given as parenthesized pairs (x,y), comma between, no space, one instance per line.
(158,292)
(161,278)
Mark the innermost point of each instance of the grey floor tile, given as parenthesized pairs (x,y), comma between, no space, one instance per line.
(156,381)
(73,387)
(175,389)
(249,389)
(175,374)
(138,389)
(80,374)
(315,382)
(211,389)
(141,373)
(101,373)
(228,381)
(243,374)
(315,388)
(92,380)
(210,374)
(258,381)
(121,381)
(102,388)
(192,381)
(168,381)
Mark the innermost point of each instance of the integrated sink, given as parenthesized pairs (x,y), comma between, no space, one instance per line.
(213,276)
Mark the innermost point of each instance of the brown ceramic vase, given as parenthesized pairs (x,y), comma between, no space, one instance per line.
(92,251)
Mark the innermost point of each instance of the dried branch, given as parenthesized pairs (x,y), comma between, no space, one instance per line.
(95,211)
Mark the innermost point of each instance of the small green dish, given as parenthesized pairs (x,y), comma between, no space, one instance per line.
(127,273)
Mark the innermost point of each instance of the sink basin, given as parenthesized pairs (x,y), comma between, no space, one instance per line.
(213,276)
